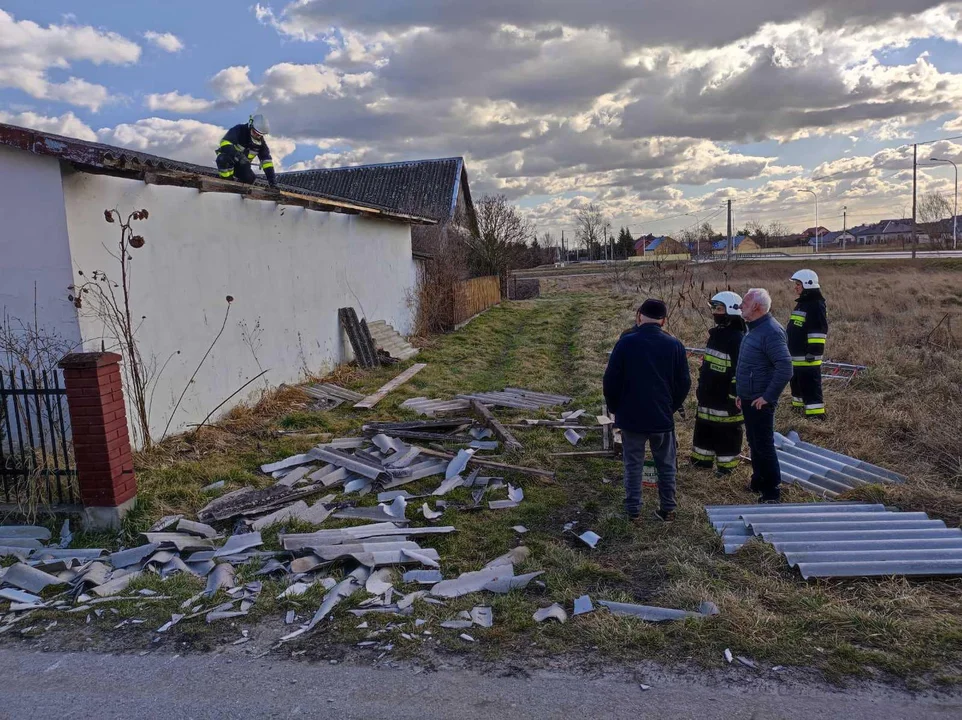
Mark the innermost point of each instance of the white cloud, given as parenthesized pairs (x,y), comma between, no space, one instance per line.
(28,51)
(168,42)
(954,125)
(593,99)
(232,84)
(177,103)
(187,140)
(287,81)
(67,124)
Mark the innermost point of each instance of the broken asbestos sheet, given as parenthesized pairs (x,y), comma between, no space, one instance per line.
(657,614)
(553,612)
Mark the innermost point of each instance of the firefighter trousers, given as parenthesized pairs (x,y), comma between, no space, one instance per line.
(807,391)
(716,443)
(232,166)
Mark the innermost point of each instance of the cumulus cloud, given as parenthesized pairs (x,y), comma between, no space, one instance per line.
(168,42)
(177,103)
(557,97)
(28,51)
(67,124)
(233,84)
(186,139)
(682,22)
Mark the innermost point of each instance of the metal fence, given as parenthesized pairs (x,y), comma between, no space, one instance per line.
(36,456)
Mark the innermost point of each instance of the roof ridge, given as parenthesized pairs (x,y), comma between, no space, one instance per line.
(396,163)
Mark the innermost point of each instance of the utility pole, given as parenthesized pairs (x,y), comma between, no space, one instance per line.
(915,182)
(844,224)
(729,229)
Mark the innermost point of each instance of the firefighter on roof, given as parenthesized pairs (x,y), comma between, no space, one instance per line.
(718,425)
(807,330)
(238,148)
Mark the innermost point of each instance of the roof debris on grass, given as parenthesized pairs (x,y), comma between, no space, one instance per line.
(226,535)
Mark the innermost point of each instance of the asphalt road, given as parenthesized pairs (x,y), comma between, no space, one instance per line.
(88,685)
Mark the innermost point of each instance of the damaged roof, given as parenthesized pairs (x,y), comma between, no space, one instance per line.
(99,158)
(428,188)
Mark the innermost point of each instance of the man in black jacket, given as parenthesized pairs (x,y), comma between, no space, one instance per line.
(645,383)
(718,425)
(807,331)
(239,146)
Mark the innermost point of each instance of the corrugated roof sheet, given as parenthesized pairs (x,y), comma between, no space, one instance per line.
(428,188)
(826,472)
(844,539)
(123,162)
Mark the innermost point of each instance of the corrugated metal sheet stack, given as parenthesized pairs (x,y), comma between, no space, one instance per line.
(825,472)
(840,540)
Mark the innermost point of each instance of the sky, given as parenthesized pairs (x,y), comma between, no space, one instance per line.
(657,112)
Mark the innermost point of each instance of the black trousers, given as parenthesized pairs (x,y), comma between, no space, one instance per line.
(716,443)
(233,168)
(760,429)
(807,391)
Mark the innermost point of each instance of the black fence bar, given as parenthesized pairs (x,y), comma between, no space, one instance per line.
(35,464)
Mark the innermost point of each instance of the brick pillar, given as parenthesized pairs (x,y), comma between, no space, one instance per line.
(98,420)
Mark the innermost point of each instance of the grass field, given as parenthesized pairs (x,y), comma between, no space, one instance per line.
(904,413)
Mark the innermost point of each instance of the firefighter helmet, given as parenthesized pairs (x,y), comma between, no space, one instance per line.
(807,278)
(731,301)
(259,124)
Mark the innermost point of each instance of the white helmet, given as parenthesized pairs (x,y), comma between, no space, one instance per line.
(807,278)
(259,124)
(731,301)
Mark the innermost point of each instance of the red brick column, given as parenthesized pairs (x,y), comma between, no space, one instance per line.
(98,420)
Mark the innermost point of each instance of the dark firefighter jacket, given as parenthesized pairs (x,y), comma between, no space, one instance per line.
(238,142)
(807,329)
(716,379)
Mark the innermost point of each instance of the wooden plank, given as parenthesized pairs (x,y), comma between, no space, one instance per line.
(546,474)
(509,440)
(371,400)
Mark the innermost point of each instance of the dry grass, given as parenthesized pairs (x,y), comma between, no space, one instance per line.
(904,414)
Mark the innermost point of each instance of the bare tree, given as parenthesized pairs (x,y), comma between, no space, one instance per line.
(504,232)
(591,224)
(932,208)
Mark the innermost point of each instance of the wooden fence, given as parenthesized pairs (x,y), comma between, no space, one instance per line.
(475,296)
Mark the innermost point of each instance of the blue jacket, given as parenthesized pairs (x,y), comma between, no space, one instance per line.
(647,380)
(764,363)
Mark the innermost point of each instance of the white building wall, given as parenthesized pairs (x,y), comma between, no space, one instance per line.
(34,252)
(288,269)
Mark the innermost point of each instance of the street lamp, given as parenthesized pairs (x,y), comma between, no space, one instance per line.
(816,215)
(955,212)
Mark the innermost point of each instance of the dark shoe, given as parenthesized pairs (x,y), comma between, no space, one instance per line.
(664,516)
(762,500)
(633,517)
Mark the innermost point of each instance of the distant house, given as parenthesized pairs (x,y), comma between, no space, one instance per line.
(641,244)
(740,244)
(941,231)
(838,237)
(810,232)
(436,189)
(884,232)
(665,246)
